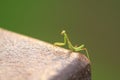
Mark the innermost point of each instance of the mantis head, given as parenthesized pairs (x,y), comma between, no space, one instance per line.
(63,32)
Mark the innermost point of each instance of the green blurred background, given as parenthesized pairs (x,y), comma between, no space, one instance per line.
(96,23)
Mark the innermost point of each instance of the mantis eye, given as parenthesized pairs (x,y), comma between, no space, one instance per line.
(63,32)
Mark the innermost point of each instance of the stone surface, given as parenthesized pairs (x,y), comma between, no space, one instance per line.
(25,58)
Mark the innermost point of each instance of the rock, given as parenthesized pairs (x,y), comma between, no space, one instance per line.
(25,58)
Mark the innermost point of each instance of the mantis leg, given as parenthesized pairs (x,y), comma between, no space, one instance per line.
(60,43)
(86,52)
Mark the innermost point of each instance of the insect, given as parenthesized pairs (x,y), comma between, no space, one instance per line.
(70,46)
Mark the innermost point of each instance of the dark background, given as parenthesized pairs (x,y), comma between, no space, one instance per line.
(95,23)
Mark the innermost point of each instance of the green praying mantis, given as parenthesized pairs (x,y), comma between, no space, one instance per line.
(70,46)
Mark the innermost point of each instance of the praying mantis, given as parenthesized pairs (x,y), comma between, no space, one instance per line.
(70,46)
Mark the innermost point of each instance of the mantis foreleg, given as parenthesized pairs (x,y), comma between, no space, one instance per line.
(60,43)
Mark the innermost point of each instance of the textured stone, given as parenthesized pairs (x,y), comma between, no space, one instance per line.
(25,58)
